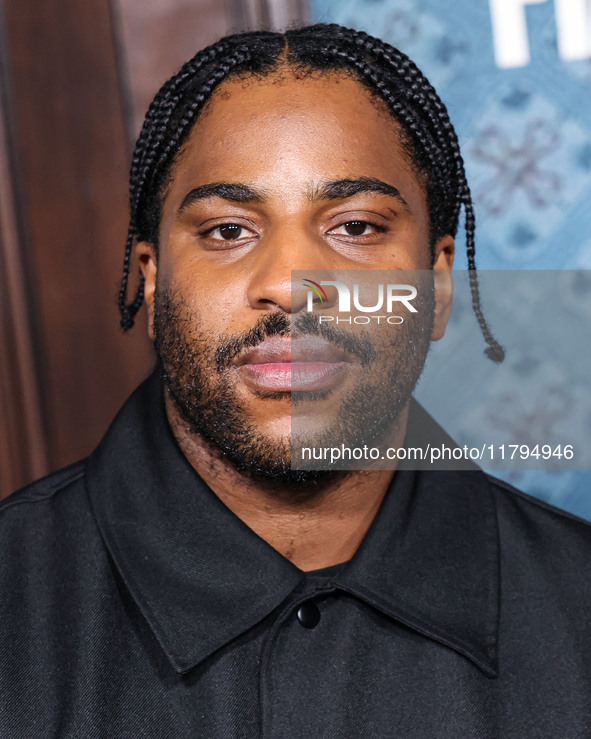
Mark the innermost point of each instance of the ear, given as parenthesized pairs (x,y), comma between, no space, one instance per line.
(146,256)
(443,283)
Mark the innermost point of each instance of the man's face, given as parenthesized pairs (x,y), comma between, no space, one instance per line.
(220,298)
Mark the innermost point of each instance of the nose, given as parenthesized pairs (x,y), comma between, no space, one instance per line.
(272,284)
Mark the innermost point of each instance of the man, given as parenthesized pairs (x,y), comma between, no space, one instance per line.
(186,580)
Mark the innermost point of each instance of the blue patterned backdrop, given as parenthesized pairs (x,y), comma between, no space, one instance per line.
(525,130)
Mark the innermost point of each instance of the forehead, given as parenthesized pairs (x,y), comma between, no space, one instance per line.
(338,95)
(262,131)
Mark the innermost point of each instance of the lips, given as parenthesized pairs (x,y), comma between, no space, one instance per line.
(284,365)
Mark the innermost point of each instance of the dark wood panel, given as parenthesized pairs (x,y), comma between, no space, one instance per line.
(72,150)
(156,38)
(23,450)
(22,440)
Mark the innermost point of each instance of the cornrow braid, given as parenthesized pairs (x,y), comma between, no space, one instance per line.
(426,130)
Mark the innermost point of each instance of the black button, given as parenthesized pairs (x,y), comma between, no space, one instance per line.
(308,614)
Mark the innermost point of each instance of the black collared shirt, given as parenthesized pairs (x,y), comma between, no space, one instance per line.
(133,603)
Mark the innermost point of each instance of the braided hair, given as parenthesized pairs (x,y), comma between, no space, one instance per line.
(386,72)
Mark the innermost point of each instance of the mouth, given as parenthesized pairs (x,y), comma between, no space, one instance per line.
(281,364)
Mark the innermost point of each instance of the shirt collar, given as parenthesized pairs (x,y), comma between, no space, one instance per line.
(430,560)
(201,577)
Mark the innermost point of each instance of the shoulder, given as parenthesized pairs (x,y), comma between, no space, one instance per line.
(52,553)
(44,488)
(56,585)
(41,493)
(516,503)
(36,517)
(544,545)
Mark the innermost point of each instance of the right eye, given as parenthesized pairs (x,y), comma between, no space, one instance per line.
(228,232)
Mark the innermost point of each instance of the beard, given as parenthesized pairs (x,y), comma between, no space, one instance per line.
(195,366)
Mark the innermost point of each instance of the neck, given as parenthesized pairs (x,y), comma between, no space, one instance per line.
(313,531)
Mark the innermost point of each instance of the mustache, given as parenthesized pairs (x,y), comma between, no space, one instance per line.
(279,324)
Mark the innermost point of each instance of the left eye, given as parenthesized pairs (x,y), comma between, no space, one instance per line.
(228,232)
(356,228)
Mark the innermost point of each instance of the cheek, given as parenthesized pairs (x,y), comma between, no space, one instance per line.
(213,297)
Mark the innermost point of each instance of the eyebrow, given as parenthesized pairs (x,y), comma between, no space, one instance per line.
(234,192)
(347,188)
(333,190)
